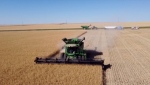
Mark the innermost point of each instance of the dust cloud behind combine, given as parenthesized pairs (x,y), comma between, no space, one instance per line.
(111,35)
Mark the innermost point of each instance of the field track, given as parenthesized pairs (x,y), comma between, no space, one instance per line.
(127,51)
(129,55)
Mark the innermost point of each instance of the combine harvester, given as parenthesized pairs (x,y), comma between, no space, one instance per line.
(74,53)
(89,27)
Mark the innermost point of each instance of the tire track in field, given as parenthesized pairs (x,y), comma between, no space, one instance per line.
(104,47)
(142,55)
(138,68)
(131,65)
(122,77)
(92,42)
(114,75)
(141,42)
(142,46)
(105,44)
(128,66)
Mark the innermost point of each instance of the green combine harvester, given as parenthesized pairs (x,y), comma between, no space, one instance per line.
(86,27)
(89,27)
(74,53)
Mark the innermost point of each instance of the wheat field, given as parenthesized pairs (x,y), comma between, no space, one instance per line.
(126,50)
(19,49)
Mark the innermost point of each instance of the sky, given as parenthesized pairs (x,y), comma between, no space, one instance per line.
(73,11)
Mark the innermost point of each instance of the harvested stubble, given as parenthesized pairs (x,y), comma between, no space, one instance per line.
(129,55)
(19,49)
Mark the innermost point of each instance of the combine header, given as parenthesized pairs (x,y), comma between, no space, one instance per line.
(74,53)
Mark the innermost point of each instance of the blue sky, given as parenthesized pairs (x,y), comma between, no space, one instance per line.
(73,11)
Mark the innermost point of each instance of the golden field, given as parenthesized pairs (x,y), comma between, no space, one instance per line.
(126,50)
(19,49)
(72,25)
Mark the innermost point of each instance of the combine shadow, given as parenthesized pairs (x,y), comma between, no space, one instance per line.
(92,53)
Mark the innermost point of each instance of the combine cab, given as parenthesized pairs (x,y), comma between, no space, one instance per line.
(74,49)
(86,27)
(73,53)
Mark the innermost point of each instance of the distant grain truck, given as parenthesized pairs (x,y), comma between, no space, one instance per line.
(114,27)
(119,28)
(135,28)
(110,27)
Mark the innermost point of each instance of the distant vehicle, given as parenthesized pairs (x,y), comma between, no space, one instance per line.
(89,27)
(110,27)
(119,28)
(135,28)
(86,27)
(114,27)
